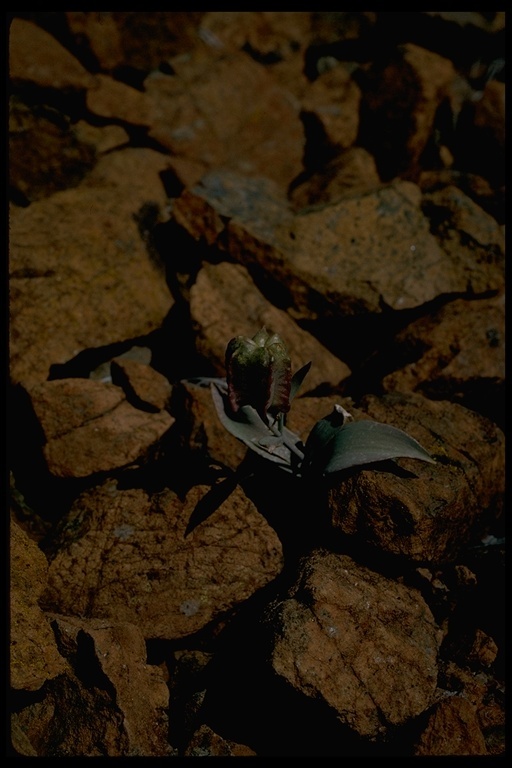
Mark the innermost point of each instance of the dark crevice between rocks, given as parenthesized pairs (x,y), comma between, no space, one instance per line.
(49,497)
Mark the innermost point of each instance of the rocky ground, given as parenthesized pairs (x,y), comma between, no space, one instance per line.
(177,179)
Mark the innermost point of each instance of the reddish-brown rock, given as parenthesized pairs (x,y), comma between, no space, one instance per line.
(355,256)
(113,99)
(361,642)
(350,174)
(146,147)
(204,432)
(36,57)
(115,704)
(46,153)
(207,743)
(456,353)
(452,729)
(90,427)
(144,387)
(429,515)
(34,657)
(80,274)
(259,135)
(140,693)
(140,41)
(400,98)
(472,239)
(130,558)
(332,103)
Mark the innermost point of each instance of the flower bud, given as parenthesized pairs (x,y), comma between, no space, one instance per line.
(258,373)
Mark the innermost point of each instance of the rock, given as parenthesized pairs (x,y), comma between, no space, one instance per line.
(34,657)
(472,239)
(128,557)
(343,173)
(49,64)
(46,154)
(187,686)
(430,515)
(490,112)
(400,98)
(145,387)
(350,174)
(140,693)
(80,275)
(476,187)
(126,40)
(96,711)
(452,729)
(90,427)
(207,743)
(103,139)
(224,302)
(365,645)
(278,39)
(112,99)
(456,353)
(331,109)
(189,117)
(482,124)
(203,432)
(357,256)
(473,649)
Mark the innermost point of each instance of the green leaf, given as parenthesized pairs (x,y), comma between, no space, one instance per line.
(249,428)
(318,448)
(364,442)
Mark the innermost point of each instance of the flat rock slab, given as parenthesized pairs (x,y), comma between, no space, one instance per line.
(90,427)
(126,556)
(80,273)
(364,644)
(358,255)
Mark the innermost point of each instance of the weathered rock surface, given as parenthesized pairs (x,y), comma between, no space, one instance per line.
(401,99)
(49,65)
(115,703)
(456,353)
(203,431)
(263,135)
(145,388)
(362,643)
(131,558)
(34,657)
(178,178)
(349,174)
(430,515)
(206,743)
(90,427)
(68,291)
(452,729)
(355,256)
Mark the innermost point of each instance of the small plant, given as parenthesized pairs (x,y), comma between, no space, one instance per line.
(253,400)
